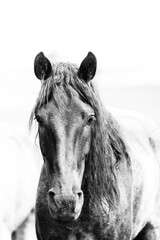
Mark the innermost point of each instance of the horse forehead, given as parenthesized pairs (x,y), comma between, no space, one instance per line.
(70,111)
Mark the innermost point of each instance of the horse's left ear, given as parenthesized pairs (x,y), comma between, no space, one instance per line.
(88,67)
(42,66)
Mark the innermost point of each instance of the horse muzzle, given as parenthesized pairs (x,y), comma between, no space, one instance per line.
(65,208)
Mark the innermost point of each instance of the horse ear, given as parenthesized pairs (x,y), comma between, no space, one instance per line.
(42,66)
(88,67)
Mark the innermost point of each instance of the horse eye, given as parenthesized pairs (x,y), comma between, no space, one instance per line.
(91,119)
(38,119)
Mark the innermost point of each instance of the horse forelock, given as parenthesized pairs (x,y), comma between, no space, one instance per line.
(107,145)
(63,79)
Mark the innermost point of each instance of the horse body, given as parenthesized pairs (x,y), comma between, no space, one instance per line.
(18,177)
(101,175)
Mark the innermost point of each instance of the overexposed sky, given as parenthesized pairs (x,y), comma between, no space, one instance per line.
(124,35)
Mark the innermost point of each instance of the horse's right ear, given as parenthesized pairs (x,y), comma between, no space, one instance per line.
(88,67)
(42,66)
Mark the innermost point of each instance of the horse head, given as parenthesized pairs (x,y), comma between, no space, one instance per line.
(65,122)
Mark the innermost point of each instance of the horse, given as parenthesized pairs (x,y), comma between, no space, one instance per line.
(19,173)
(100,177)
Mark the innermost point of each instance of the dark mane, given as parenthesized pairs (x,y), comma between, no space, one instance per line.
(107,145)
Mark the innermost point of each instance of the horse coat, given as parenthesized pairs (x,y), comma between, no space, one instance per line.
(101,175)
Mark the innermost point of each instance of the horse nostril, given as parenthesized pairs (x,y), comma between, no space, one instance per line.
(80,196)
(51,195)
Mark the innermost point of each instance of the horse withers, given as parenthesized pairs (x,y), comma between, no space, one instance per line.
(101,173)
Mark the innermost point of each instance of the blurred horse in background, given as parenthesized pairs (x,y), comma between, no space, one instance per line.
(19,170)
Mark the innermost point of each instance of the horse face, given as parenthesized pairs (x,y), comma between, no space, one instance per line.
(65,136)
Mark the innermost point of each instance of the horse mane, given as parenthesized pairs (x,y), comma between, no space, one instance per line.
(107,149)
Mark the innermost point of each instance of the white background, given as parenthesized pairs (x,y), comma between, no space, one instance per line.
(124,35)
